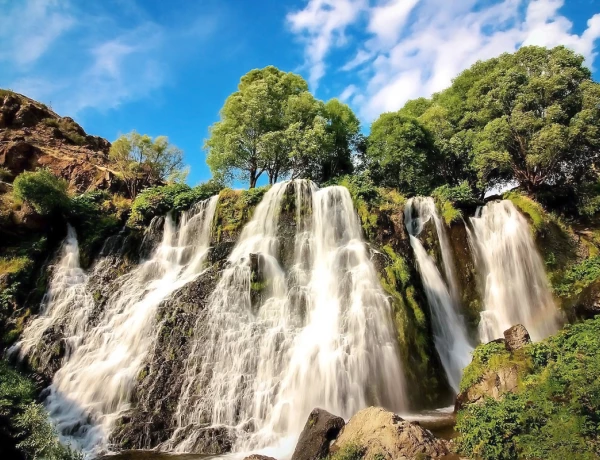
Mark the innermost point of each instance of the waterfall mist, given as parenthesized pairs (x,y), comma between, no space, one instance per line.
(97,377)
(450,334)
(516,288)
(297,321)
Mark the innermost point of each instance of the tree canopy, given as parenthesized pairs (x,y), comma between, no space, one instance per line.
(273,125)
(531,117)
(142,161)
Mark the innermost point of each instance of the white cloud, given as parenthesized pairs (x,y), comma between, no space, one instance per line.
(28,29)
(412,48)
(322,25)
(348,92)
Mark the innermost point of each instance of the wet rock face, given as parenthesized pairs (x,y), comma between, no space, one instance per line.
(516,338)
(321,428)
(151,420)
(381,434)
(493,384)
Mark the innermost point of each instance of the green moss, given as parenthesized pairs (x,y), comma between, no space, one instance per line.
(486,357)
(234,210)
(14,265)
(348,452)
(578,277)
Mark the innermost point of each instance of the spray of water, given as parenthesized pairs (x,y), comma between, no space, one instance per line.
(318,335)
(450,334)
(96,381)
(516,288)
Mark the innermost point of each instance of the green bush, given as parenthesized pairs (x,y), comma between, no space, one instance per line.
(43,190)
(486,357)
(556,412)
(26,421)
(578,277)
(157,201)
(461,195)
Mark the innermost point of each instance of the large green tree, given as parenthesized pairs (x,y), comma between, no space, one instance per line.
(273,125)
(531,117)
(142,161)
(401,154)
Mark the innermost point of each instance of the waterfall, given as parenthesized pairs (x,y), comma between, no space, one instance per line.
(66,304)
(296,322)
(95,383)
(449,331)
(516,289)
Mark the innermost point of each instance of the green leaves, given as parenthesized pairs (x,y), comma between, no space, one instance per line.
(43,190)
(142,161)
(274,125)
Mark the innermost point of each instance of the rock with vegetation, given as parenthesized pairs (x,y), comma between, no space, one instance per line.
(320,430)
(377,434)
(552,413)
(258,457)
(32,136)
(516,337)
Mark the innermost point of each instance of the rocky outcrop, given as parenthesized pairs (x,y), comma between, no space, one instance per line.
(381,434)
(516,338)
(258,457)
(493,384)
(33,136)
(321,428)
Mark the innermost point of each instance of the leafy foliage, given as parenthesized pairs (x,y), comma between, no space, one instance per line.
(142,161)
(274,125)
(158,201)
(26,420)
(43,190)
(555,413)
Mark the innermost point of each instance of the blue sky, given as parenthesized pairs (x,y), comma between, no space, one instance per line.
(166,67)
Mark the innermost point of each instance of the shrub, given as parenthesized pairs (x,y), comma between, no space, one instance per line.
(555,412)
(27,421)
(578,277)
(51,122)
(43,190)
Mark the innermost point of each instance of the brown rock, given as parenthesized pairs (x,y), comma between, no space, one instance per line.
(493,384)
(258,457)
(384,435)
(321,428)
(516,338)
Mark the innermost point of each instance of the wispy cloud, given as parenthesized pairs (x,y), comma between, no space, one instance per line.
(78,59)
(322,25)
(413,48)
(29,28)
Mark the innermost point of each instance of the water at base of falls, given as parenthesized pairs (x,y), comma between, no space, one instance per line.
(318,333)
(450,334)
(98,375)
(516,288)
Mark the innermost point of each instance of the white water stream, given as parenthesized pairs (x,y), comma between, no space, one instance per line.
(96,380)
(450,334)
(516,287)
(317,334)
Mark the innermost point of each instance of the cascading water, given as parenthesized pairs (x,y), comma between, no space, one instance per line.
(516,287)
(96,380)
(317,335)
(67,304)
(450,334)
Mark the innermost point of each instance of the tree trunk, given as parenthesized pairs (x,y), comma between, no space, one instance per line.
(253,178)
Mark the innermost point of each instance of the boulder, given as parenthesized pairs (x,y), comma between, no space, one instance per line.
(381,434)
(516,338)
(258,457)
(321,428)
(493,384)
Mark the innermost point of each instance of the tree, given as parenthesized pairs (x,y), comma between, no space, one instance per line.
(274,125)
(248,139)
(538,112)
(401,154)
(142,161)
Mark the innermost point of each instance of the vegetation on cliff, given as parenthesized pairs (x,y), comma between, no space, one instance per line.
(553,414)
